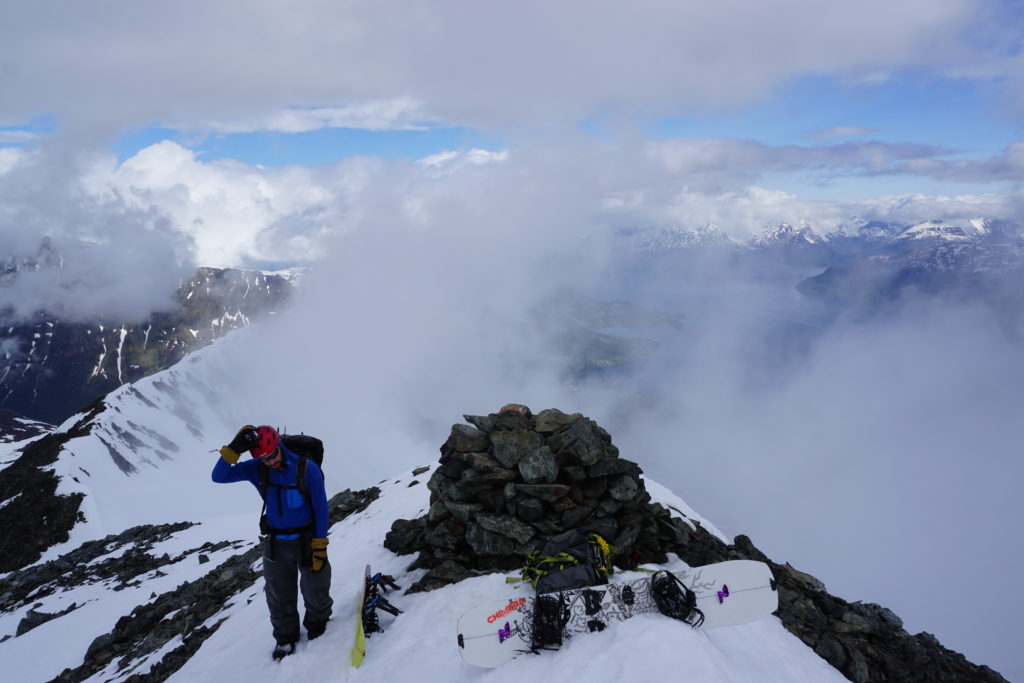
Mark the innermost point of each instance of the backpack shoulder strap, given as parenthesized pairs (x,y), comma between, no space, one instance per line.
(264,482)
(300,478)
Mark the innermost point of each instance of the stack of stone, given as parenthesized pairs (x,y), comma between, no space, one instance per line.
(510,480)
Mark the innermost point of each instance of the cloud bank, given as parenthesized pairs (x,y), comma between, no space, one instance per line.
(127,232)
(465,63)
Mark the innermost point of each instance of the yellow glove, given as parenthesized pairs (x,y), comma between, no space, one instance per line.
(229,455)
(319,546)
(243,442)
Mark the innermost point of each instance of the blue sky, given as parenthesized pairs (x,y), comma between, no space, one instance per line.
(802,102)
(961,118)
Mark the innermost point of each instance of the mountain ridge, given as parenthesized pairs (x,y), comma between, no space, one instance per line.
(101,458)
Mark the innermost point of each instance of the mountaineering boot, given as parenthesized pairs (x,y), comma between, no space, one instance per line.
(314,631)
(283,650)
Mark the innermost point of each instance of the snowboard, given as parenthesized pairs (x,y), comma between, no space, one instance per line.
(368,602)
(728,593)
(359,647)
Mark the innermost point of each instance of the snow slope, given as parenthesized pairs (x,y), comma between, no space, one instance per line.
(645,648)
(421,641)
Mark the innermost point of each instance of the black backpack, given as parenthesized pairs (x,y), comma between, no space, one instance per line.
(572,559)
(307,448)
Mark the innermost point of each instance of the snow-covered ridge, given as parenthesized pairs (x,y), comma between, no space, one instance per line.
(787,235)
(661,238)
(426,631)
(869,232)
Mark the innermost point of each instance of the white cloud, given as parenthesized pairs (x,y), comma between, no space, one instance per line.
(9,158)
(16,137)
(236,214)
(842,132)
(396,114)
(1006,166)
(466,63)
(164,210)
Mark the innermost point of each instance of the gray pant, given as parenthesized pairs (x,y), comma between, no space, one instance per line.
(285,563)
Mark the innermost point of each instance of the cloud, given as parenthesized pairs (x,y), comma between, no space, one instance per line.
(163,211)
(841,132)
(236,214)
(395,114)
(719,163)
(841,449)
(9,158)
(466,63)
(15,137)
(80,257)
(1007,166)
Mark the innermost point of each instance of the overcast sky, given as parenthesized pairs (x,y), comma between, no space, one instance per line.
(446,167)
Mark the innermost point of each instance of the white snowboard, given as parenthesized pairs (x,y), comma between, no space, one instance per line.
(728,593)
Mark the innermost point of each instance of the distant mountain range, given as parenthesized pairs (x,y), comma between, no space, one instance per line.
(858,234)
(869,264)
(50,369)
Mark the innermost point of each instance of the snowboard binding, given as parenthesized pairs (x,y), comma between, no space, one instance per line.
(674,599)
(373,600)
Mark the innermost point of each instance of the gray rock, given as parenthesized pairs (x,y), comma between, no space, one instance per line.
(832,652)
(605,528)
(548,492)
(482,462)
(594,488)
(491,478)
(612,465)
(463,511)
(488,543)
(623,487)
(881,615)
(512,446)
(859,672)
(506,525)
(548,527)
(442,537)
(529,509)
(514,416)
(438,511)
(538,467)
(467,439)
(574,473)
(552,420)
(453,468)
(581,442)
(577,516)
(482,422)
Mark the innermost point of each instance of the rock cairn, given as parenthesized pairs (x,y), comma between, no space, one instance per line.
(508,481)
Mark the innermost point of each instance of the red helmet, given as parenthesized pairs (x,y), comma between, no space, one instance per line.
(267,439)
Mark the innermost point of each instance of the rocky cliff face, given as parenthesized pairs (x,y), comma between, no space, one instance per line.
(50,369)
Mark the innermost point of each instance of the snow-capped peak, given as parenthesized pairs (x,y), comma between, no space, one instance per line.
(785,234)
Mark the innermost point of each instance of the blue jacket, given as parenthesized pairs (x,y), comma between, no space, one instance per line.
(286,508)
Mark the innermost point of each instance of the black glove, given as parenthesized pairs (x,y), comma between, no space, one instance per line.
(244,441)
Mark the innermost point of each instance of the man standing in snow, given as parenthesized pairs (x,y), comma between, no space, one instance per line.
(295,546)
